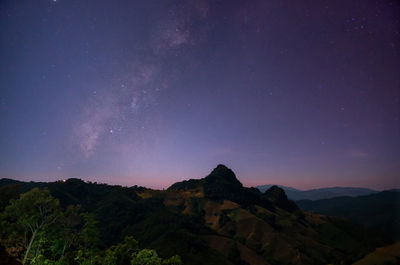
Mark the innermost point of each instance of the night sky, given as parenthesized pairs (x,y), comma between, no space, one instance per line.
(299,93)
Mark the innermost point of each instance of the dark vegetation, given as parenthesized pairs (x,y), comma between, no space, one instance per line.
(380,210)
(36,229)
(214,220)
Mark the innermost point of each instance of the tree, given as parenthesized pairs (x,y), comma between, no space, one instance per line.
(69,229)
(89,241)
(128,253)
(174,260)
(146,257)
(90,233)
(150,257)
(121,254)
(33,213)
(63,236)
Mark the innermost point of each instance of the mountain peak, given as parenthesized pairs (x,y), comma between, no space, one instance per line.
(278,196)
(223,174)
(221,167)
(222,184)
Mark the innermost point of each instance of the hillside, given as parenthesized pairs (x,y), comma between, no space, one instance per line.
(322,193)
(214,220)
(387,255)
(380,210)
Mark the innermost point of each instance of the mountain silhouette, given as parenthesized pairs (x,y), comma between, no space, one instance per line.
(222,184)
(380,210)
(213,220)
(321,193)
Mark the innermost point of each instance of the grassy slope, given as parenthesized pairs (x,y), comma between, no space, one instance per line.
(388,255)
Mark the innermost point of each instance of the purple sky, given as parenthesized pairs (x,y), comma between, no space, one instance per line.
(302,94)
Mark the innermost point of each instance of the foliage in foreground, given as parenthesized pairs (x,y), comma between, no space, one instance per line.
(37,230)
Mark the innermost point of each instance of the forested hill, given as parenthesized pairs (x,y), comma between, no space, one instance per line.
(380,210)
(214,220)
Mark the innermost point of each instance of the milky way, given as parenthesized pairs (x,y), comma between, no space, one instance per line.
(115,108)
(152,92)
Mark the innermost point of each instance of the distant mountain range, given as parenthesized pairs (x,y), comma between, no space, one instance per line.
(322,193)
(380,210)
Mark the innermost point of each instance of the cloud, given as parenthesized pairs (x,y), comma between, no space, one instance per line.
(355,153)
